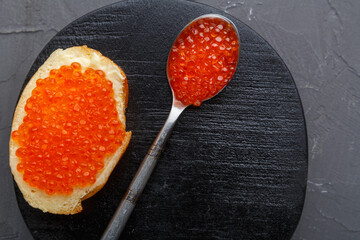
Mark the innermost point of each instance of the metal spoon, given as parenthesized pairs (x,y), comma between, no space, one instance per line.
(147,166)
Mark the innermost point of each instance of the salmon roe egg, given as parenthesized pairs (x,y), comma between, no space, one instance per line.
(202,60)
(61,143)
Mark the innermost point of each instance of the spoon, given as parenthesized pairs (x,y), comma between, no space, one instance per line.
(201,62)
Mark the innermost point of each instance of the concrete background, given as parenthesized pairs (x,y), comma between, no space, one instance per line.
(319,42)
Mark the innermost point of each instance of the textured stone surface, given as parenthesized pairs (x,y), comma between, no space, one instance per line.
(318,42)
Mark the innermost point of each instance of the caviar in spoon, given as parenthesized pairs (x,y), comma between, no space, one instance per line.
(201,62)
(203,59)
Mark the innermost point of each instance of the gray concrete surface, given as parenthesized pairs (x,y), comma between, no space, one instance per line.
(319,42)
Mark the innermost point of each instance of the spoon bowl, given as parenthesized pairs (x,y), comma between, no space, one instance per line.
(197,27)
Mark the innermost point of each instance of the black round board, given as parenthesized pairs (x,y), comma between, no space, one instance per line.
(234,168)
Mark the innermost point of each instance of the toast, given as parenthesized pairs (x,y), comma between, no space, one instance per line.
(88,58)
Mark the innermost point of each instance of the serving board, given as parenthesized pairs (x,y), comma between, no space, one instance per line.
(234,168)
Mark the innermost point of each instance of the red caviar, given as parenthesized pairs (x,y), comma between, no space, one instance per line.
(202,60)
(71,125)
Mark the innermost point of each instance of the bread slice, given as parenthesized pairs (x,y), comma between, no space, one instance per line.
(71,204)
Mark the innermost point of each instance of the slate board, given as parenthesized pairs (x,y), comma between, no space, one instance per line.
(234,168)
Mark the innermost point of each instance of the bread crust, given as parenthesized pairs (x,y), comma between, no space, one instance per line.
(87,57)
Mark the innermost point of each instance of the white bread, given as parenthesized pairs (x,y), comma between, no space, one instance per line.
(71,204)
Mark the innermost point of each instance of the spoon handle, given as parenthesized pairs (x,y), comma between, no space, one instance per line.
(138,183)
